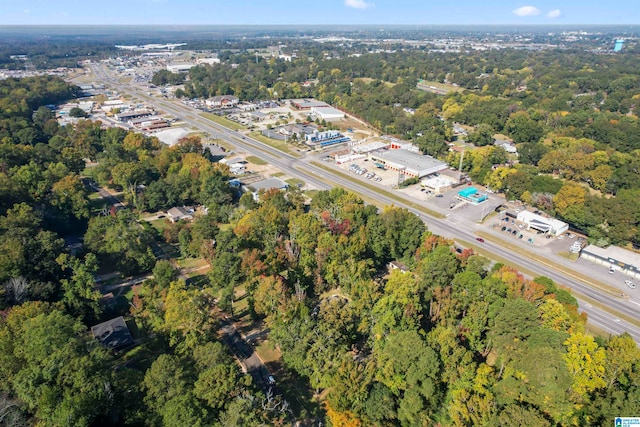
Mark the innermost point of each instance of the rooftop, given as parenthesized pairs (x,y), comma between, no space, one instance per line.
(533,218)
(616,253)
(113,333)
(268,184)
(410,160)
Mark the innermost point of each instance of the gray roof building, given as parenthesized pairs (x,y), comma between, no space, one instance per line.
(268,184)
(113,333)
(614,256)
(409,163)
(179,213)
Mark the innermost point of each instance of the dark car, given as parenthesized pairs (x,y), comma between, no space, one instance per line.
(480,239)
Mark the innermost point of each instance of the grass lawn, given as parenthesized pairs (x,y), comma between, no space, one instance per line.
(256,160)
(440,86)
(191,262)
(570,256)
(277,174)
(295,182)
(311,193)
(160,224)
(96,205)
(223,121)
(274,143)
(266,352)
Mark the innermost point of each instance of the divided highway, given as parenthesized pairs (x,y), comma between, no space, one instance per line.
(302,168)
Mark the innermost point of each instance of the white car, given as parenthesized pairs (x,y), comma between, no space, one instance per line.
(630,284)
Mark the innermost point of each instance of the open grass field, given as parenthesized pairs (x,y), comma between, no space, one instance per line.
(256,160)
(445,87)
(295,182)
(223,121)
(274,143)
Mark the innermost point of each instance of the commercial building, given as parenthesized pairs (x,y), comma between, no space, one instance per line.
(407,162)
(615,257)
(618,45)
(440,183)
(307,104)
(472,195)
(269,184)
(265,185)
(130,115)
(222,101)
(258,116)
(546,225)
(328,114)
(180,68)
(324,139)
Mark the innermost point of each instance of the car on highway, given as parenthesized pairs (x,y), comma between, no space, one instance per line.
(480,239)
(630,284)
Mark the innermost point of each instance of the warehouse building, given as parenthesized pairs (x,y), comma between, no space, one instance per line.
(328,114)
(407,162)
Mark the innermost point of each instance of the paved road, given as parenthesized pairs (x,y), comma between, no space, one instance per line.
(302,168)
(248,358)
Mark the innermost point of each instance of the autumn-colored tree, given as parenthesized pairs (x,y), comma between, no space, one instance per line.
(586,362)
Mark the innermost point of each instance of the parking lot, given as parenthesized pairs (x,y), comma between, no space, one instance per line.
(367,170)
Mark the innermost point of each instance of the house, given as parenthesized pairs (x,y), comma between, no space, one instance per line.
(179,214)
(397,265)
(113,333)
(266,185)
(222,101)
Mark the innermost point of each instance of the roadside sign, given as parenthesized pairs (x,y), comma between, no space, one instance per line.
(627,422)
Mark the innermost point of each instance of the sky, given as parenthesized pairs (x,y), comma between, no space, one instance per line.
(293,12)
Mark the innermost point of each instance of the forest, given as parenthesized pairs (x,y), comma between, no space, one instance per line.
(451,339)
(571,113)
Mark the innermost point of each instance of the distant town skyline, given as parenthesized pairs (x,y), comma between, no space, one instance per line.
(290,12)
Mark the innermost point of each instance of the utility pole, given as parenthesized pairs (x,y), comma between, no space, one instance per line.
(460,168)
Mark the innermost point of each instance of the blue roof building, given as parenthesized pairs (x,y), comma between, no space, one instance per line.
(618,46)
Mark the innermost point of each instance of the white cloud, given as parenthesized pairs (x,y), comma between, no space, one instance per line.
(357,4)
(527,11)
(27,11)
(555,13)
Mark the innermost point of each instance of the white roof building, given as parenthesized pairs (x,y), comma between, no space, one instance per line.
(538,222)
(409,163)
(328,114)
(614,257)
(180,68)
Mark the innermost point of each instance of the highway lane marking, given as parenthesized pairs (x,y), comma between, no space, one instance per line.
(400,200)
